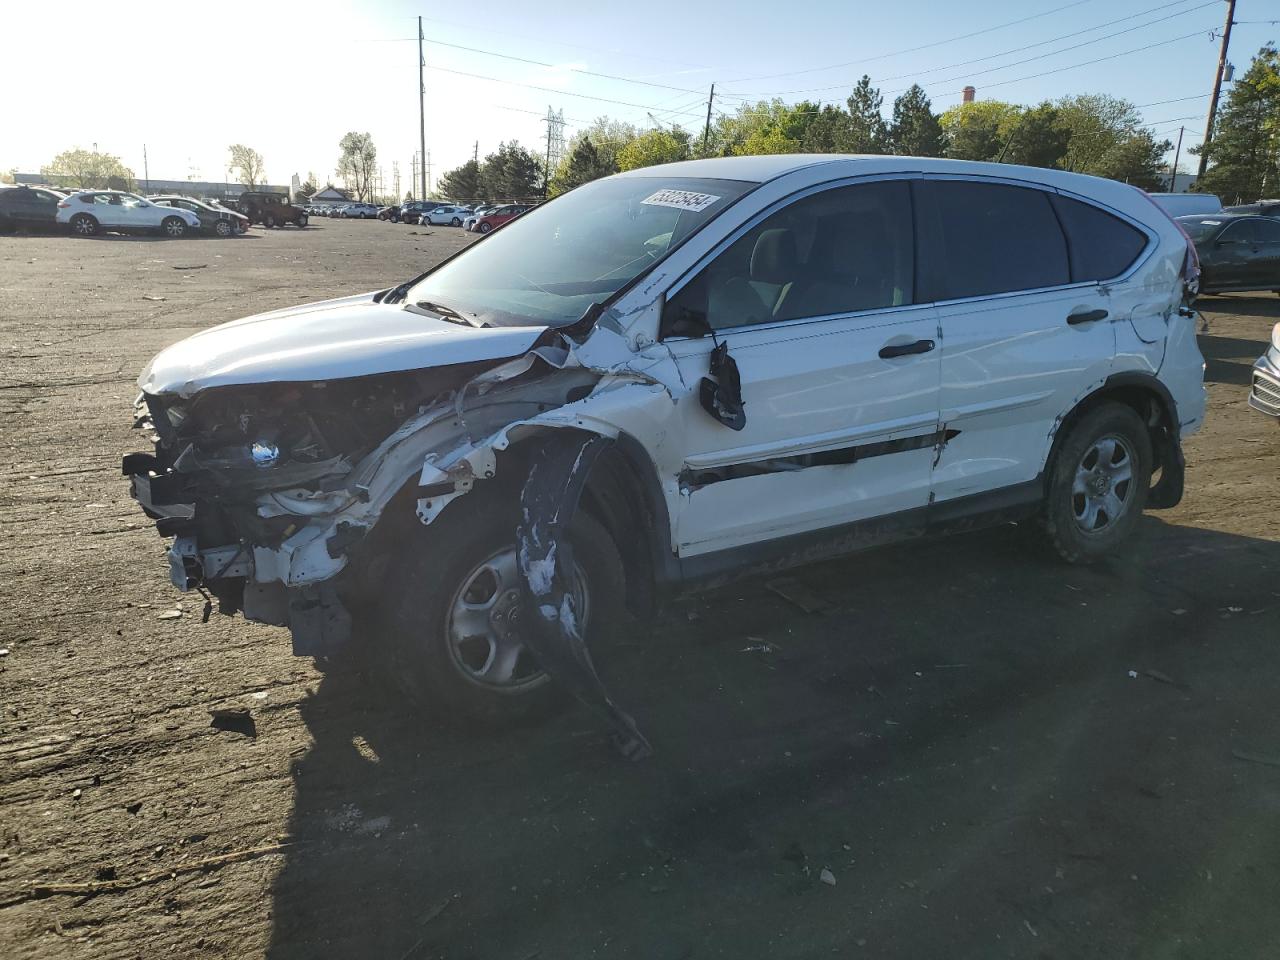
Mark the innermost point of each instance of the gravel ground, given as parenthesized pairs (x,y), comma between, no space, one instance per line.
(957,739)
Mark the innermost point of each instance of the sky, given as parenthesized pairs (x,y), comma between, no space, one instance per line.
(187,79)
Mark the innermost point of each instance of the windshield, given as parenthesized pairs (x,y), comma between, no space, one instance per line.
(1198,228)
(552,263)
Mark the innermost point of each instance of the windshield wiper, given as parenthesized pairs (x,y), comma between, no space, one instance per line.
(447,313)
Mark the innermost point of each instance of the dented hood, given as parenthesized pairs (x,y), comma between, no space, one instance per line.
(334,339)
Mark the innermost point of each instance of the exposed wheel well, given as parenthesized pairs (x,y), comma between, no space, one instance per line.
(1151,401)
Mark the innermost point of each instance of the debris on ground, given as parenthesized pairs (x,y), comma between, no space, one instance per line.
(147,296)
(827,877)
(194,266)
(756,645)
(796,592)
(233,720)
(169,614)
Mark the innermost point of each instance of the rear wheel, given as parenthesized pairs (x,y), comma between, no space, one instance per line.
(1098,484)
(458,614)
(82,224)
(455,222)
(269,220)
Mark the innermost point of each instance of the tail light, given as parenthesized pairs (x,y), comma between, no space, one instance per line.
(63,205)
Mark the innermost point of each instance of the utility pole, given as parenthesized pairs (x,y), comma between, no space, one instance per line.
(1173,170)
(706,131)
(475,155)
(1217,87)
(424,196)
(413,174)
(546,168)
(421,104)
(146,174)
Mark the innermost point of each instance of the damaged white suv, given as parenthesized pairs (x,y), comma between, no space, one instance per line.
(666,378)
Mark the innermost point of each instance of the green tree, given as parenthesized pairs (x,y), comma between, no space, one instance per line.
(247,165)
(510,173)
(654,147)
(1137,159)
(978,130)
(357,162)
(461,183)
(830,130)
(869,132)
(582,165)
(1244,154)
(1038,139)
(608,137)
(87,170)
(915,131)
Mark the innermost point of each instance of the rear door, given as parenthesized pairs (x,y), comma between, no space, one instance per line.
(1232,255)
(1020,341)
(815,303)
(1265,266)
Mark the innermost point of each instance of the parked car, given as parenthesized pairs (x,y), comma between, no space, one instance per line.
(411,212)
(337,209)
(391,213)
(1186,204)
(271,209)
(498,216)
(451,215)
(28,207)
(1264,395)
(1237,252)
(1262,208)
(469,223)
(213,218)
(666,378)
(360,211)
(88,212)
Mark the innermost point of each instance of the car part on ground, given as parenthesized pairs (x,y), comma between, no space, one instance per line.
(559,365)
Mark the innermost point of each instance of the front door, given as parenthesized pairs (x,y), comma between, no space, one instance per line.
(1264,261)
(838,366)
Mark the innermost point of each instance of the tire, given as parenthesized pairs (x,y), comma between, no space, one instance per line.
(395,218)
(485,227)
(455,222)
(224,228)
(302,221)
(173,227)
(269,220)
(447,676)
(83,225)
(1105,461)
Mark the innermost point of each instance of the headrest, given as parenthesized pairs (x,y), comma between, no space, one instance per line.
(774,258)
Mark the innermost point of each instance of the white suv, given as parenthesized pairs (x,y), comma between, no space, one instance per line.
(665,378)
(92,211)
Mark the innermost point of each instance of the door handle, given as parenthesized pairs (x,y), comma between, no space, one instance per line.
(1086,316)
(905,349)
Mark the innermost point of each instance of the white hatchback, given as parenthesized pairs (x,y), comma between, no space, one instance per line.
(670,377)
(92,211)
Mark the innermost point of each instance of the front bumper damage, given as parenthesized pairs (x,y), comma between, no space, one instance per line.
(295,577)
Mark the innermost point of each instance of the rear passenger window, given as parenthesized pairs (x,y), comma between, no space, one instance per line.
(1266,231)
(1101,246)
(995,239)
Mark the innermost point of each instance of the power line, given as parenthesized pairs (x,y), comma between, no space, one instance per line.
(562,93)
(1029,46)
(927,46)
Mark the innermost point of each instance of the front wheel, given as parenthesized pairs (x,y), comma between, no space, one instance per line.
(302,221)
(459,611)
(173,227)
(269,221)
(486,227)
(1098,484)
(223,228)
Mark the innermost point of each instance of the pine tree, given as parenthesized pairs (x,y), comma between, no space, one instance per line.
(868,133)
(583,165)
(915,131)
(461,183)
(1244,154)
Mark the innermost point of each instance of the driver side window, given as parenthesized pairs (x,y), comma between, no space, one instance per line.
(832,253)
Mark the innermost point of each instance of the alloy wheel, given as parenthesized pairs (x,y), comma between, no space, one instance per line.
(1100,493)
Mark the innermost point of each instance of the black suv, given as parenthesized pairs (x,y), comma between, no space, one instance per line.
(271,209)
(28,207)
(412,211)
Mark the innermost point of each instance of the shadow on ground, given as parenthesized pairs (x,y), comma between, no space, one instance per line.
(958,740)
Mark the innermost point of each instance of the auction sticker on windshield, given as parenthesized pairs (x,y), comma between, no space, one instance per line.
(681,199)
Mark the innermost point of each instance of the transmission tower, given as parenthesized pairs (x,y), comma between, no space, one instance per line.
(395,179)
(555,137)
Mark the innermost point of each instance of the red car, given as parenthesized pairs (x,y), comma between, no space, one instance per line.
(497,218)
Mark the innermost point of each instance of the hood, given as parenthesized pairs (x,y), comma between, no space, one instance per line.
(331,340)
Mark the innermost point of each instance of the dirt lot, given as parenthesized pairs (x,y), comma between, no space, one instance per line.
(957,738)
